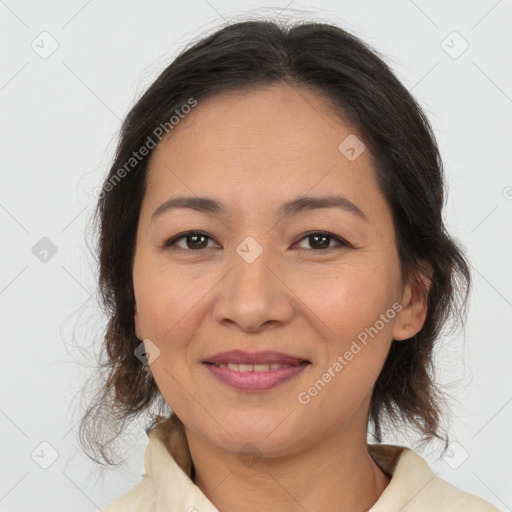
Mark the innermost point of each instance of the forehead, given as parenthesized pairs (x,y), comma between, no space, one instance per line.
(272,142)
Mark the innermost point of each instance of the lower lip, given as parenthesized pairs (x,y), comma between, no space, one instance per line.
(254,381)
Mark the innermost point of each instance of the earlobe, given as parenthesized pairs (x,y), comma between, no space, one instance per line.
(136,319)
(411,318)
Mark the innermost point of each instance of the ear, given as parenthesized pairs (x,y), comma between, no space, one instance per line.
(411,317)
(136,319)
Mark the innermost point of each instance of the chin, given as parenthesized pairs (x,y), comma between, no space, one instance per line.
(250,435)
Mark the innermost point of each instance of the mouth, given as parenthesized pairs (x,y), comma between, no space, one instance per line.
(243,361)
(263,367)
(258,371)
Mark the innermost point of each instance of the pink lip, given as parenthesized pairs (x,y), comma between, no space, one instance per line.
(242,357)
(254,381)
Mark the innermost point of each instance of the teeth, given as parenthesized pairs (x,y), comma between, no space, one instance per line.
(253,367)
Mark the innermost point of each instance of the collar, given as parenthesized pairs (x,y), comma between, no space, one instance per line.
(169,472)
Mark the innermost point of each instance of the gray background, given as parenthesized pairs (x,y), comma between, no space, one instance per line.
(61,110)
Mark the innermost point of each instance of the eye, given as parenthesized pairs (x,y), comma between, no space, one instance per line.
(320,240)
(196,241)
(193,240)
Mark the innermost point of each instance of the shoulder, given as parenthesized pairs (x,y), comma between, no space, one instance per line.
(444,496)
(166,484)
(138,499)
(414,487)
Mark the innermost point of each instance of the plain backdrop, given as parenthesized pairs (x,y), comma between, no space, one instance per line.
(70,72)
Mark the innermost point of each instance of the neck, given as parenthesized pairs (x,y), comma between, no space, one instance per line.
(335,474)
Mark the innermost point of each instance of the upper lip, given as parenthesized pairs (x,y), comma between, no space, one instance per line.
(242,357)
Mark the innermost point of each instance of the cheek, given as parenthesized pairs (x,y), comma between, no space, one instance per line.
(349,298)
(166,311)
(166,298)
(355,311)
(172,305)
(360,318)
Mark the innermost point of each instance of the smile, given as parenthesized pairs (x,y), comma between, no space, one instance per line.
(254,377)
(253,367)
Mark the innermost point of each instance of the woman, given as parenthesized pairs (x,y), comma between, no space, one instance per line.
(276,270)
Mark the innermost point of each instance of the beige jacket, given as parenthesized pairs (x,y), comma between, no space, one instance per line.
(167,485)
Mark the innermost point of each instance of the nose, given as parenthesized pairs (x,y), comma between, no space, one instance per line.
(254,295)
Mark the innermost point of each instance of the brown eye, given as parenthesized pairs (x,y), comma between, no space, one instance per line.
(322,241)
(193,240)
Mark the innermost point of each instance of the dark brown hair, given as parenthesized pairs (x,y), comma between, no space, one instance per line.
(361,89)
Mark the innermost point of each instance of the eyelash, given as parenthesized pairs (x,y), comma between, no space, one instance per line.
(341,242)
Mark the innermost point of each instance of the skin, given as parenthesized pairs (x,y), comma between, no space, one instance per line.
(253,151)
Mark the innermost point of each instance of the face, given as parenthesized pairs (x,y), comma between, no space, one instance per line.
(321,284)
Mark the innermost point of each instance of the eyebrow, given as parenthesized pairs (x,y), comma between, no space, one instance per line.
(289,209)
